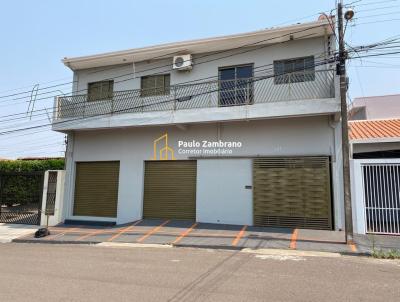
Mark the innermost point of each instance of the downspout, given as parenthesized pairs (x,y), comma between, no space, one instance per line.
(351,149)
(333,125)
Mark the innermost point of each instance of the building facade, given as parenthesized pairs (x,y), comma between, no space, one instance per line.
(375,107)
(240,129)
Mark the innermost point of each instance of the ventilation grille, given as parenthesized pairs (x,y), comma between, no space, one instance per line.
(292,192)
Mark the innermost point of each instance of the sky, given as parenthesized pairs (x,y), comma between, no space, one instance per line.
(36,35)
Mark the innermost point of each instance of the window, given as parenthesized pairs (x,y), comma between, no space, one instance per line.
(100,90)
(155,85)
(294,70)
(235,85)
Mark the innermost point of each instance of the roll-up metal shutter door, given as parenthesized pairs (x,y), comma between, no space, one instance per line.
(170,189)
(96,189)
(292,192)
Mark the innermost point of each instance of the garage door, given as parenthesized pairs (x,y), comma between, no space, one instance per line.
(292,192)
(96,189)
(170,189)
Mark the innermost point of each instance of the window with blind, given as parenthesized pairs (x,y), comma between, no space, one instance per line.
(294,70)
(101,90)
(155,85)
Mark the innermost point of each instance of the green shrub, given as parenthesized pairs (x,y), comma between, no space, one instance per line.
(24,189)
(31,165)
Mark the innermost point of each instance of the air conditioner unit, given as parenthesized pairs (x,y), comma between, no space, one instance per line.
(182,62)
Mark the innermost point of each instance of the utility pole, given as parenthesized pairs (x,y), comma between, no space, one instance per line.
(345,133)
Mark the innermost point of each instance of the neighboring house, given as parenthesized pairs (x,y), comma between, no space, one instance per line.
(375,176)
(240,129)
(374,138)
(375,107)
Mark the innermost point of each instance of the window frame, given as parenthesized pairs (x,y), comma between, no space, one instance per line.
(165,90)
(301,76)
(251,101)
(92,97)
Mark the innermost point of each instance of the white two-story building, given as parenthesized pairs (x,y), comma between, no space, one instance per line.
(240,129)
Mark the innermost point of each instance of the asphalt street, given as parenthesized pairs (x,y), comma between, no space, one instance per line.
(50,272)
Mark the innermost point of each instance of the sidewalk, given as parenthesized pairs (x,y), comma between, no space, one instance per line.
(203,235)
(367,243)
(8,232)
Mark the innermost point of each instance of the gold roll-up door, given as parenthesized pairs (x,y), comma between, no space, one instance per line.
(170,189)
(292,192)
(96,189)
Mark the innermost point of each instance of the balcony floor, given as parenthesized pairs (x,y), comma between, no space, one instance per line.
(203,115)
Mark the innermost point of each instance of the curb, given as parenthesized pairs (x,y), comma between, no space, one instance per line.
(214,247)
(38,241)
(205,246)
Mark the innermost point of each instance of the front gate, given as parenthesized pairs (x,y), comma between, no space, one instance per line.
(381,194)
(21,197)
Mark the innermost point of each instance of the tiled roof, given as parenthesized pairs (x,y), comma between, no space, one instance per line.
(372,129)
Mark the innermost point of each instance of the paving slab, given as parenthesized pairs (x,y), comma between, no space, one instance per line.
(321,235)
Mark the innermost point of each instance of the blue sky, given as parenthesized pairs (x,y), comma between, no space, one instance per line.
(36,35)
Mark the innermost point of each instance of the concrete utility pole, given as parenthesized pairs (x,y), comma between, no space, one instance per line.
(345,133)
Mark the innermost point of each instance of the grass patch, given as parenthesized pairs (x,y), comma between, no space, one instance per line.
(390,254)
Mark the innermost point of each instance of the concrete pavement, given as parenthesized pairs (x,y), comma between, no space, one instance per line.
(204,235)
(39,272)
(8,231)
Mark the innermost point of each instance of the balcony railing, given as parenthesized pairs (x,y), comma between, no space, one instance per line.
(267,89)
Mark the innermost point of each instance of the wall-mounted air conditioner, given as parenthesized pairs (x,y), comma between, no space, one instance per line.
(183,62)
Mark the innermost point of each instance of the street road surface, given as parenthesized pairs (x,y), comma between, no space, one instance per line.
(49,272)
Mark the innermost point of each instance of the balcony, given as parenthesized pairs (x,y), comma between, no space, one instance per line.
(220,97)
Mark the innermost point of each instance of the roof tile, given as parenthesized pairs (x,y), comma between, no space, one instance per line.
(368,129)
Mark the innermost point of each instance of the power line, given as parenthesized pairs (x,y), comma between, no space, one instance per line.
(219,58)
(369,3)
(212,54)
(375,22)
(376,8)
(377,15)
(149,69)
(30,86)
(82,104)
(29,91)
(122,110)
(200,57)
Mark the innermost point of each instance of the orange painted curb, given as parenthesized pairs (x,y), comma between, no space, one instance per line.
(239,235)
(294,239)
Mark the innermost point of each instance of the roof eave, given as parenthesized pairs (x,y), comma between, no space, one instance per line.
(158,50)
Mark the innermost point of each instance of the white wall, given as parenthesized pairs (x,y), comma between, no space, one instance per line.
(55,219)
(357,190)
(202,68)
(221,196)
(132,146)
(357,197)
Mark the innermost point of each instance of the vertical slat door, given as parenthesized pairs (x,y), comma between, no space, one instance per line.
(292,192)
(381,193)
(170,189)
